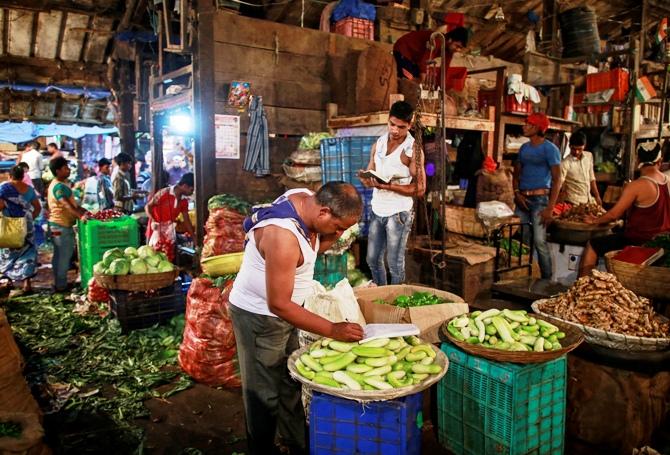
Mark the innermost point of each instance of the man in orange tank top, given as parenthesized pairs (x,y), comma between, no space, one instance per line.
(646,203)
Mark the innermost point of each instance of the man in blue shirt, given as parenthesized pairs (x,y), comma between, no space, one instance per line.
(537,182)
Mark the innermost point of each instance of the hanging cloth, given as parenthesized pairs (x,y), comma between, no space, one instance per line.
(257,158)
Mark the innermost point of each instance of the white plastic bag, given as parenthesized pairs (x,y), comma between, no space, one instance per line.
(337,305)
(493,209)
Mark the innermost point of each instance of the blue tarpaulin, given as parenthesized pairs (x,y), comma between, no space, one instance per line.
(26,131)
(353,8)
(96,94)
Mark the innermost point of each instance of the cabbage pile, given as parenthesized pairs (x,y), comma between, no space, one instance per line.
(134,261)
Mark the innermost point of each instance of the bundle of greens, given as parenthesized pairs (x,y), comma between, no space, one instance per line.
(103,370)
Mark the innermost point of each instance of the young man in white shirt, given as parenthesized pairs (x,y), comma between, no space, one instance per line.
(33,158)
(395,156)
(579,180)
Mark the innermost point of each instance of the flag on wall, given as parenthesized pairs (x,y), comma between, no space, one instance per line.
(662,31)
(644,90)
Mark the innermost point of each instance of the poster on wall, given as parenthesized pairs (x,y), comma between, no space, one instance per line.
(227,136)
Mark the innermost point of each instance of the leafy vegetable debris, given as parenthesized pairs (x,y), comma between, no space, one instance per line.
(113,373)
(10,430)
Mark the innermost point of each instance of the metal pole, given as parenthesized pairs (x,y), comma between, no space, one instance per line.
(444,159)
(632,133)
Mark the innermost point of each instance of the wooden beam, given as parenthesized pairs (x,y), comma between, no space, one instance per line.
(57,66)
(96,8)
(33,34)
(5,31)
(204,108)
(61,34)
(87,38)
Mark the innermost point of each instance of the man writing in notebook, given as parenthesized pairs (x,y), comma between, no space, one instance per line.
(397,159)
(267,298)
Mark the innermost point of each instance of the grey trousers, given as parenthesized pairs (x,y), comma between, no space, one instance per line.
(271,398)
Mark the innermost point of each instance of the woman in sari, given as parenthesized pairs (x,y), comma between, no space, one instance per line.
(17,199)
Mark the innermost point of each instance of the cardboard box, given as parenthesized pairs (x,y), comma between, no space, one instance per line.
(429,318)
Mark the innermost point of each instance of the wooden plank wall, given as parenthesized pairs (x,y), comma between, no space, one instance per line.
(297,71)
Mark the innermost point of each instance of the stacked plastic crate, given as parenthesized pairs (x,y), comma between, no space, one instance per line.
(339,426)
(95,237)
(490,408)
(341,158)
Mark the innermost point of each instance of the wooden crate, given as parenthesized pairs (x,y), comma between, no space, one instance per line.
(458,277)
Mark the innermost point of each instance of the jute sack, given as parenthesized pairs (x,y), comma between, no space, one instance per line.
(15,395)
(30,440)
(495,186)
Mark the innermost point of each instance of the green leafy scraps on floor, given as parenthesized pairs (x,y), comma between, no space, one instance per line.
(108,372)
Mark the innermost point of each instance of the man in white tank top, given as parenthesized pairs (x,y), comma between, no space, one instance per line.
(396,158)
(267,297)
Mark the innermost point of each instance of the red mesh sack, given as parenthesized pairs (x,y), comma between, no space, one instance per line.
(207,352)
(224,232)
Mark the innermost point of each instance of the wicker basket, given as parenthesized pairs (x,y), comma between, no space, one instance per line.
(368,395)
(573,338)
(145,282)
(464,220)
(608,339)
(646,281)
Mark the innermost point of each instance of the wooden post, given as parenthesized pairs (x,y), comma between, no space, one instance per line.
(125,80)
(499,134)
(203,103)
(156,132)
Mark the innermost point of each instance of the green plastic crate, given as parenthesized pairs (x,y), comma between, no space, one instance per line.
(95,237)
(330,269)
(487,407)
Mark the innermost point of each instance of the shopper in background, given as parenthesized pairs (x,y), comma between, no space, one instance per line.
(18,199)
(105,191)
(33,158)
(63,214)
(412,51)
(396,157)
(577,176)
(124,198)
(53,150)
(267,305)
(537,182)
(26,178)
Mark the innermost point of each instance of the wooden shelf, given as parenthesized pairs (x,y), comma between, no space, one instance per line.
(184,98)
(381,118)
(555,123)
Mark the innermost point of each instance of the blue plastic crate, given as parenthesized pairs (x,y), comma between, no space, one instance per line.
(487,407)
(364,223)
(342,157)
(339,426)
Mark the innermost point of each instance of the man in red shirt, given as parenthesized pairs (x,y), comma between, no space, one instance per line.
(163,209)
(412,52)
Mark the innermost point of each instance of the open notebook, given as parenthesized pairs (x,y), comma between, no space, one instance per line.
(374,331)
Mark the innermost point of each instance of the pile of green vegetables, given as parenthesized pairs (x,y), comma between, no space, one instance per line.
(381,364)
(661,241)
(10,430)
(414,300)
(113,373)
(230,202)
(515,248)
(134,261)
(506,330)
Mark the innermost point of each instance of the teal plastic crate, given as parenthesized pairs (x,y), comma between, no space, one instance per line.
(487,407)
(330,269)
